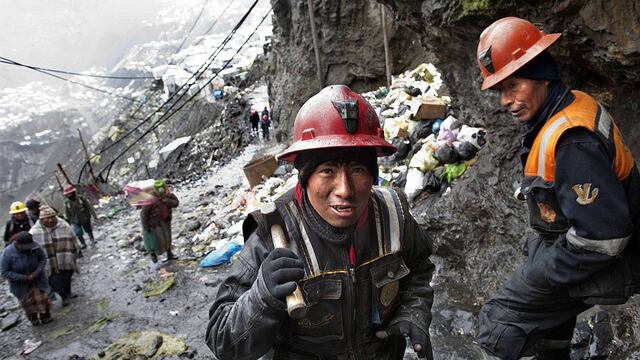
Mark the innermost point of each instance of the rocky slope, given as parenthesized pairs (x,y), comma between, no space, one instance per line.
(478,227)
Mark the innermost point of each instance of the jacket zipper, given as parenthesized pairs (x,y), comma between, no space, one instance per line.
(351,309)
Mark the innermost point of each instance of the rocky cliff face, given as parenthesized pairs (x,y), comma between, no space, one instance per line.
(351,46)
(478,227)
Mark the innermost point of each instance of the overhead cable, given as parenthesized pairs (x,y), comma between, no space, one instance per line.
(12,62)
(179,92)
(168,115)
(204,5)
(224,11)
(69,80)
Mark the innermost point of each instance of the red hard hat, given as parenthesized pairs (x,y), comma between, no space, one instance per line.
(68,190)
(336,117)
(507,45)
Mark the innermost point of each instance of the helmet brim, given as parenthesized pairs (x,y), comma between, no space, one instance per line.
(510,68)
(383,148)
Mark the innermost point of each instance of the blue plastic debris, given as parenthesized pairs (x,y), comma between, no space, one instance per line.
(222,255)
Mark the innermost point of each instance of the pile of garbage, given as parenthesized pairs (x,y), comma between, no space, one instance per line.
(434,147)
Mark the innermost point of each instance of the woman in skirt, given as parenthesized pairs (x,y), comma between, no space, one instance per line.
(23,265)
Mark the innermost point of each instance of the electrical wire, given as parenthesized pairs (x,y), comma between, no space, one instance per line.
(224,11)
(187,83)
(69,80)
(197,74)
(13,62)
(204,5)
(169,115)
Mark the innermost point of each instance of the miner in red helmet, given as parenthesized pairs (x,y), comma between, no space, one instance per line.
(582,189)
(358,256)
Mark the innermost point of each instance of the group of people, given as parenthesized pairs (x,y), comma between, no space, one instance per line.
(337,268)
(41,249)
(263,120)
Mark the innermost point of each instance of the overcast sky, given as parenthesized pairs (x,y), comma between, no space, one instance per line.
(74,35)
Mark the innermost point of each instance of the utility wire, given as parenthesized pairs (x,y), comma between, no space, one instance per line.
(204,5)
(213,24)
(187,83)
(168,114)
(197,74)
(12,62)
(69,80)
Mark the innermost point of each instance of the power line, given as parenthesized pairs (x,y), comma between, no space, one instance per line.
(196,75)
(169,115)
(12,62)
(204,5)
(69,80)
(213,24)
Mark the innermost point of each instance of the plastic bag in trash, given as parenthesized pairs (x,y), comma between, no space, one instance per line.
(453,171)
(446,154)
(450,123)
(222,255)
(403,146)
(465,150)
(414,185)
(413,91)
(435,128)
(424,160)
(399,176)
(432,183)
(474,135)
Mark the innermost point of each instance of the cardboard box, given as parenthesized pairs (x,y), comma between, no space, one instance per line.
(430,108)
(260,168)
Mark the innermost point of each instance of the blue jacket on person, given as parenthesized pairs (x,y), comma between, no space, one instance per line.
(17,265)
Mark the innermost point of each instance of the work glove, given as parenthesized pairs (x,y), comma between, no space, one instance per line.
(419,339)
(280,271)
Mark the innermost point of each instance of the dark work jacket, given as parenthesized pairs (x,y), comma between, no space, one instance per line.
(78,210)
(16,265)
(584,202)
(15,226)
(158,212)
(347,304)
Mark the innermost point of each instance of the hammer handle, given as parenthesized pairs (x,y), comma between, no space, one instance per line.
(296,306)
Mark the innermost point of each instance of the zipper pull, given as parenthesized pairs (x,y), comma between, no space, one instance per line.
(353,275)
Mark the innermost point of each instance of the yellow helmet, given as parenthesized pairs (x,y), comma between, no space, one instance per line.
(17,207)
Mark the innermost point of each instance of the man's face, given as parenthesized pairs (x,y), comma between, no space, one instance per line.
(522,97)
(20,216)
(50,221)
(339,191)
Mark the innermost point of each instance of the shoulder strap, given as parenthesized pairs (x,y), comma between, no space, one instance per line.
(390,219)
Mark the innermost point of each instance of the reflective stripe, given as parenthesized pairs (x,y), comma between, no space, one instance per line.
(394,223)
(611,247)
(307,243)
(376,213)
(548,133)
(604,122)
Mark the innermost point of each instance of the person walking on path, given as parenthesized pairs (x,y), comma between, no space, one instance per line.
(156,222)
(33,206)
(78,212)
(582,189)
(23,265)
(265,124)
(61,246)
(18,222)
(255,120)
(357,255)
